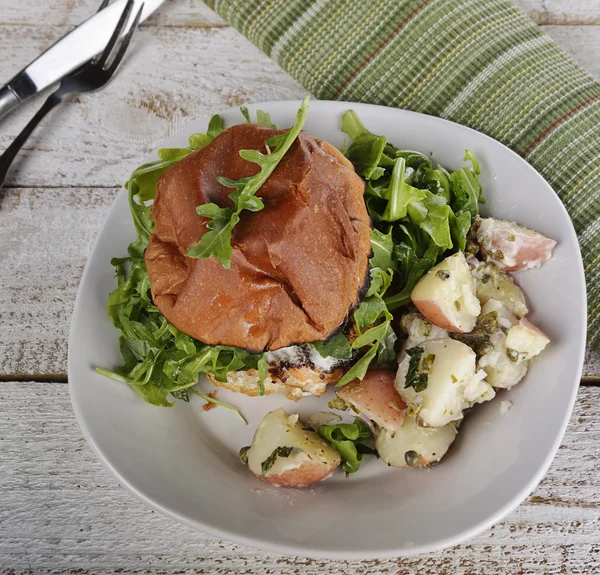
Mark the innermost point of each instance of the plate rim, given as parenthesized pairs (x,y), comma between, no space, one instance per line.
(294,548)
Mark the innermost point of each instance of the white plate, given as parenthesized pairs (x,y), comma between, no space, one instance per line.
(185,463)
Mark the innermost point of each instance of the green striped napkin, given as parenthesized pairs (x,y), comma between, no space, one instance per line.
(481,63)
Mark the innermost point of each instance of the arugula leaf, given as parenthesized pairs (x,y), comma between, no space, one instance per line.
(246,114)
(270,461)
(198,141)
(173,154)
(146,176)
(432,215)
(417,270)
(369,311)
(399,194)
(465,187)
(383,249)
(380,281)
(215,126)
(366,151)
(470,157)
(435,179)
(460,224)
(338,347)
(217,241)
(349,440)
(380,334)
(264,119)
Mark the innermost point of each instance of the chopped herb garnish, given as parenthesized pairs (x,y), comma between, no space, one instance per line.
(415,377)
(277,452)
(337,403)
(244,454)
(263,374)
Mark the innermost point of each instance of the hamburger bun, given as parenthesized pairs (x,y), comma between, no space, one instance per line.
(298,266)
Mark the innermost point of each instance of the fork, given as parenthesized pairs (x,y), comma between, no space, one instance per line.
(88,78)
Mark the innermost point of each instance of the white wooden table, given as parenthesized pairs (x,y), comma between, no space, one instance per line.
(60,511)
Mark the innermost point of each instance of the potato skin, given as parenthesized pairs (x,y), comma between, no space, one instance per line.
(511,246)
(307,474)
(436,315)
(427,444)
(377,398)
(312,459)
(446,297)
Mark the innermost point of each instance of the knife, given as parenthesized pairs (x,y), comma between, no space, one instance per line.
(68,53)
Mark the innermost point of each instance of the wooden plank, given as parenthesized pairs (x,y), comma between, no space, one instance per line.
(46,236)
(581,42)
(190,13)
(196,13)
(39,286)
(61,510)
(561,12)
(96,139)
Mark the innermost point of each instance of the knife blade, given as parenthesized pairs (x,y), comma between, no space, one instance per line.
(71,51)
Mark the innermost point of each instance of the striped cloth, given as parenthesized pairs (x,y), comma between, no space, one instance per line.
(481,63)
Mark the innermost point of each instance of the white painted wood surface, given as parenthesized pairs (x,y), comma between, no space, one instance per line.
(196,13)
(60,511)
(46,235)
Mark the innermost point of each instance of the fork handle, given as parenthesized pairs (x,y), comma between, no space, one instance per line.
(10,153)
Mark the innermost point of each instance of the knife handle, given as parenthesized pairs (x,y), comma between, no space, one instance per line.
(8,101)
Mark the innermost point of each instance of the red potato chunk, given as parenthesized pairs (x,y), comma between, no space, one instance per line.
(414,445)
(446,296)
(297,457)
(513,247)
(526,340)
(377,398)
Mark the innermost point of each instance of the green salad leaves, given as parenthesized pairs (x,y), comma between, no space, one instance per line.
(350,440)
(421,213)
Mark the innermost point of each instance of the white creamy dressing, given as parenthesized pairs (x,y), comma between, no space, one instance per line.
(322,363)
(453,383)
(297,355)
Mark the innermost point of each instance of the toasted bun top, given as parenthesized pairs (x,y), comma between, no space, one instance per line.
(298,266)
